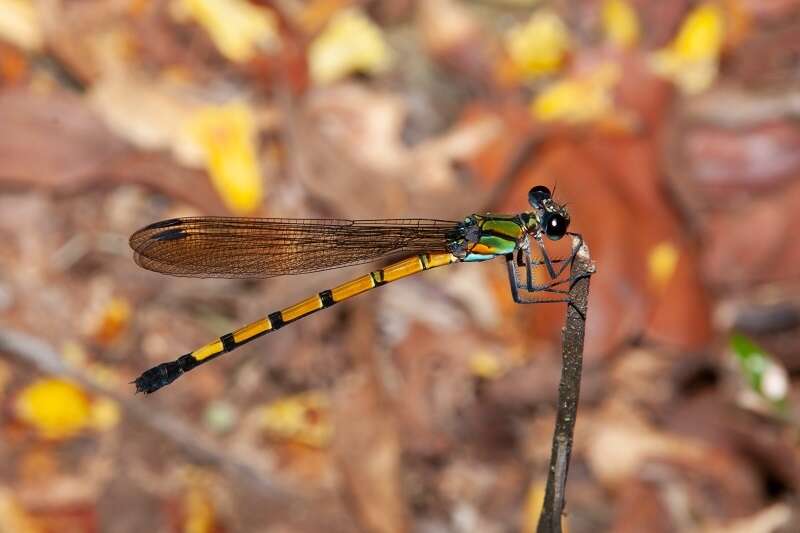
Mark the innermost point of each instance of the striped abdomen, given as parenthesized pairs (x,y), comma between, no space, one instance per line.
(166,373)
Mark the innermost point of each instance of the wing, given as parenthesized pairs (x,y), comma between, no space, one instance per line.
(229,247)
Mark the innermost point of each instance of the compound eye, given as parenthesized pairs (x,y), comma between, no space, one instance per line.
(555,226)
(538,195)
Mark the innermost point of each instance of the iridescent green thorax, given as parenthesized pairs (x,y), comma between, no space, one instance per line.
(482,237)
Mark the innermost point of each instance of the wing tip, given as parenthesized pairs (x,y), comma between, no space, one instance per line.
(168,223)
(170,235)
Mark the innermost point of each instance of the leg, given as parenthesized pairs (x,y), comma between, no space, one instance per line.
(523,258)
(518,298)
(567,301)
(545,257)
(516,284)
(549,263)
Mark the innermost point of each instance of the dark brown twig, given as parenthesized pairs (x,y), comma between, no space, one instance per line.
(572,335)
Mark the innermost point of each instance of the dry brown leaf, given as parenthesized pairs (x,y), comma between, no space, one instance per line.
(622,443)
(453,36)
(642,506)
(367,446)
(352,136)
(770,520)
(149,114)
(57,142)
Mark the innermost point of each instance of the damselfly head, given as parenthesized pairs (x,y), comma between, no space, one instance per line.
(552,218)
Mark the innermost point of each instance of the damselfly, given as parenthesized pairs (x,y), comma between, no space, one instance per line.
(228,247)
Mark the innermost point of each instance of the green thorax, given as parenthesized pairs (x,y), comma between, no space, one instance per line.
(483,237)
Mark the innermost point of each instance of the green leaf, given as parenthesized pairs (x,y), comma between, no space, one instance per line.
(761,371)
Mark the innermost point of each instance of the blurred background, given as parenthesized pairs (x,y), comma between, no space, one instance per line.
(670,128)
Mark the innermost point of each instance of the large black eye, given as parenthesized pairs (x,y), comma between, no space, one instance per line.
(538,195)
(555,226)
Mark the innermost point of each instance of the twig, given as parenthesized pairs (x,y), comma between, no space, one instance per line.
(38,353)
(581,271)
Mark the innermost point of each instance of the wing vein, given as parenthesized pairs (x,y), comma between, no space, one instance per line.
(231,247)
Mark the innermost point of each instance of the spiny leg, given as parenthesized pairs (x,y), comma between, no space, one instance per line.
(517,285)
(524,259)
(575,249)
(529,300)
(518,298)
(545,256)
(548,263)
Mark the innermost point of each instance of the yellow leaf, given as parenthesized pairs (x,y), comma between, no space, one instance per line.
(112,321)
(315,14)
(74,354)
(662,262)
(350,43)
(199,513)
(519,3)
(485,365)
(199,508)
(691,59)
(14,517)
(302,418)
(579,100)
(701,34)
(104,415)
(539,46)
(5,377)
(19,24)
(237,27)
(227,137)
(56,408)
(620,23)
(532,509)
